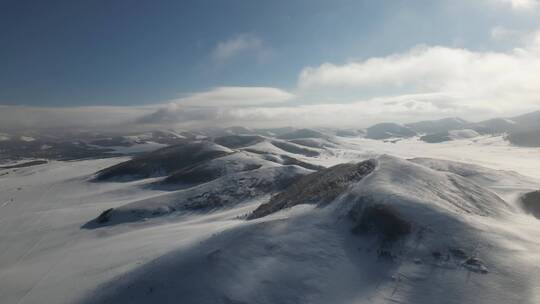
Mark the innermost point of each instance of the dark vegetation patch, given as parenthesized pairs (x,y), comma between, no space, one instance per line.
(350,133)
(525,139)
(202,174)
(313,143)
(295,149)
(287,160)
(163,161)
(117,141)
(232,190)
(15,149)
(458,253)
(103,219)
(303,133)
(382,220)
(104,216)
(238,141)
(170,138)
(438,126)
(25,164)
(255,151)
(531,203)
(492,126)
(475,264)
(317,188)
(389,130)
(436,137)
(239,187)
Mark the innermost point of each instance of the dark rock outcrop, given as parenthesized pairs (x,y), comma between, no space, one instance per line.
(382,220)
(531,203)
(317,188)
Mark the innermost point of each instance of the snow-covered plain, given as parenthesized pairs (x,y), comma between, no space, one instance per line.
(489,151)
(304,254)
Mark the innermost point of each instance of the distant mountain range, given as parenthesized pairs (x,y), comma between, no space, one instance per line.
(285,215)
(523,130)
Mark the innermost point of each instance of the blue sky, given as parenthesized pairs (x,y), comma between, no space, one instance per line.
(129,53)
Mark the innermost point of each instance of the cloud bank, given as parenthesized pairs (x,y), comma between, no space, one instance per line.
(426,82)
(213,105)
(492,81)
(35,118)
(235,96)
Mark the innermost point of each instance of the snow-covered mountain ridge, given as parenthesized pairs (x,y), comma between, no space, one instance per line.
(241,219)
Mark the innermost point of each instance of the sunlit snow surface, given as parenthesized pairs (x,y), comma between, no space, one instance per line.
(299,255)
(490,151)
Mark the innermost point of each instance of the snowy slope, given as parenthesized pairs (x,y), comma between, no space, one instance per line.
(488,151)
(438,126)
(457,245)
(389,130)
(224,192)
(464,237)
(47,258)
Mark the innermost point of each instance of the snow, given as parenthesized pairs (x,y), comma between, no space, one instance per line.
(303,254)
(134,148)
(224,192)
(314,142)
(463,134)
(307,255)
(488,151)
(277,147)
(48,258)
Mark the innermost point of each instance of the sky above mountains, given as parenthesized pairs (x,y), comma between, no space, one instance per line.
(265,62)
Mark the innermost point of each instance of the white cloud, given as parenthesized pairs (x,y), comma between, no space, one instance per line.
(26,117)
(235,96)
(501,33)
(403,108)
(209,107)
(215,104)
(426,82)
(356,114)
(529,40)
(523,4)
(239,45)
(489,80)
(520,5)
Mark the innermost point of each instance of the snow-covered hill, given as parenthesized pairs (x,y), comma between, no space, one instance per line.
(438,126)
(389,130)
(404,233)
(258,219)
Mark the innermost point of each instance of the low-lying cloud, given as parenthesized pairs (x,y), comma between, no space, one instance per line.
(422,83)
(35,118)
(235,96)
(426,82)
